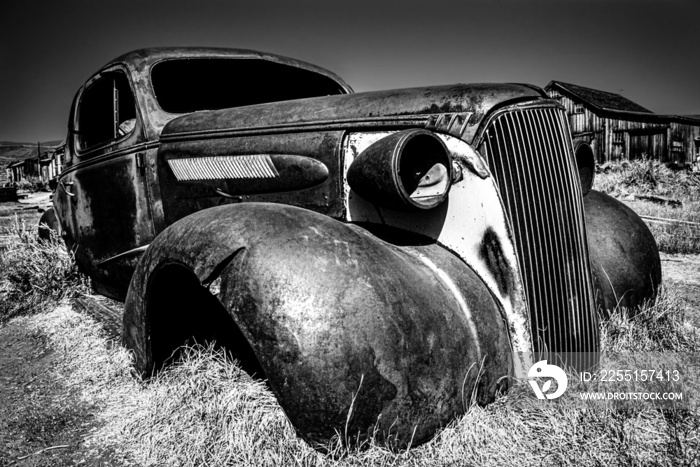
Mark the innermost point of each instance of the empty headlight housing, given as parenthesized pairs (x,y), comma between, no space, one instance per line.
(585,162)
(406,170)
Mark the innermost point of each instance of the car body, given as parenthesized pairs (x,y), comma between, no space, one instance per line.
(376,256)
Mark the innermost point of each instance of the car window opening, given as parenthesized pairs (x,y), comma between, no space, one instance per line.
(106,111)
(190,85)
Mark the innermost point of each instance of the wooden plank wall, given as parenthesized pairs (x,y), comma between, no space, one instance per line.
(615,139)
(684,142)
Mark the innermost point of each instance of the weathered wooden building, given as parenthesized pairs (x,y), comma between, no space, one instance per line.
(22,170)
(617,128)
(44,168)
(5,177)
(52,164)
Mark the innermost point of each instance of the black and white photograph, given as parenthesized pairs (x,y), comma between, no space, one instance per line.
(326,233)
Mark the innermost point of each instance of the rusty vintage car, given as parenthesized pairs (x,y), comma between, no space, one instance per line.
(380,258)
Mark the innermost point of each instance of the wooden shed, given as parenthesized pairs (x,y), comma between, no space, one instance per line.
(45,167)
(20,170)
(618,128)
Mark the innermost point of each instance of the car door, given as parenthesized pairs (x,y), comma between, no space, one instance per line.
(103,194)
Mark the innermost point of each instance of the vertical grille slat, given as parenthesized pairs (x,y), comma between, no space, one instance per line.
(551,218)
(576,240)
(524,148)
(591,330)
(538,222)
(519,224)
(531,157)
(575,277)
(539,241)
(566,224)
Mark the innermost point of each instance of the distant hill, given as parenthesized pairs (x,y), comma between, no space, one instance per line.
(11,152)
(43,143)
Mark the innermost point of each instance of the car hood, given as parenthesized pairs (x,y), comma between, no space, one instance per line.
(399,107)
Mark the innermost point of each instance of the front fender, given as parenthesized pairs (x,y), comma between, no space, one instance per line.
(624,256)
(352,332)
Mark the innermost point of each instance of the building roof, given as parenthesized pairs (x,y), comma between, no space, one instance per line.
(602,100)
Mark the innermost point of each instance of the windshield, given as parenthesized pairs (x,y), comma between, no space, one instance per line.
(189,85)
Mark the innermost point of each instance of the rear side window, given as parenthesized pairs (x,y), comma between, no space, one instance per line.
(189,85)
(106,111)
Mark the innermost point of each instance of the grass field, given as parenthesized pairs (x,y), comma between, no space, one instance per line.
(12,217)
(15,216)
(69,396)
(627,181)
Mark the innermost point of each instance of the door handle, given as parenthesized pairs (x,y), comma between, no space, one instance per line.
(223,194)
(69,184)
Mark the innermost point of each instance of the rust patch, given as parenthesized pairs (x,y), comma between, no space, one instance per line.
(492,253)
(446,107)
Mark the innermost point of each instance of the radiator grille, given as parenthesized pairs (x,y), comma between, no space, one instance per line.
(530,154)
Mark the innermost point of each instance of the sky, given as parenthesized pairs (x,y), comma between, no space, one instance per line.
(645,50)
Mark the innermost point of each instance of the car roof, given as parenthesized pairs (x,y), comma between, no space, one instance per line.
(147,57)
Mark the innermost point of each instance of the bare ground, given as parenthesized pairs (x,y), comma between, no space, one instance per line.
(38,412)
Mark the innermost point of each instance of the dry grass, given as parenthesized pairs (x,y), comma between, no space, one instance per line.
(673,237)
(649,177)
(205,411)
(661,326)
(35,272)
(11,215)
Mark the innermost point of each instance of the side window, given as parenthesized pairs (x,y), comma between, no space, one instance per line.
(106,111)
